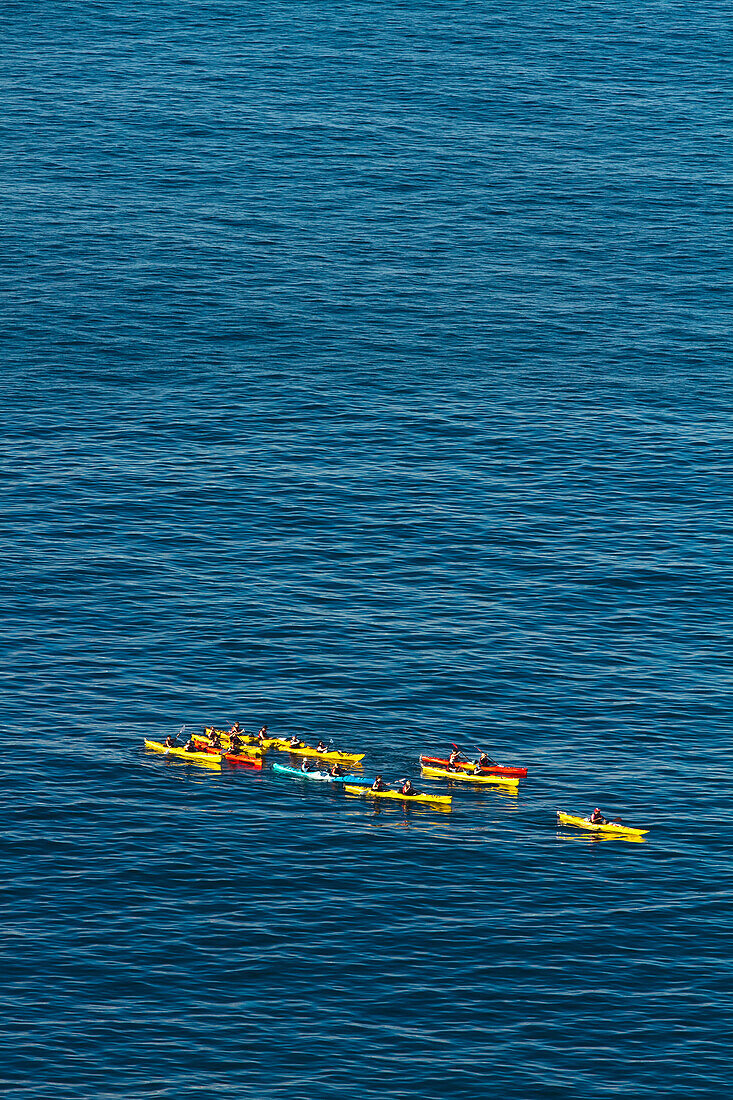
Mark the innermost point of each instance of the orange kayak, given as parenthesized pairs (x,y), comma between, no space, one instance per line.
(468,766)
(231,757)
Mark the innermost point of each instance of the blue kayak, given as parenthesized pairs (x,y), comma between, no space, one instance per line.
(322,777)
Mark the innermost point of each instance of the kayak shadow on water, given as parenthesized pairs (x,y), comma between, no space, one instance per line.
(422,817)
(503,792)
(419,809)
(597,838)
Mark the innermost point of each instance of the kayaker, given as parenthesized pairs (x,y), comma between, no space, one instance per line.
(337,771)
(305,766)
(294,743)
(454,757)
(321,746)
(235,743)
(597,818)
(190,745)
(407,787)
(485,761)
(171,741)
(262,734)
(215,739)
(378,785)
(235,730)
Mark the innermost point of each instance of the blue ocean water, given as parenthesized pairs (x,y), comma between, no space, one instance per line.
(366,372)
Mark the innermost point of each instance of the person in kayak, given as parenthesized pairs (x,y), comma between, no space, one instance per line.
(235,730)
(378,785)
(215,740)
(337,771)
(321,746)
(235,743)
(407,787)
(485,761)
(190,745)
(305,766)
(597,818)
(295,743)
(455,757)
(171,741)
(262,734)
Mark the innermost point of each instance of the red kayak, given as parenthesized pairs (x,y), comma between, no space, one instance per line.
(231,757)
(468,766)
(243,761)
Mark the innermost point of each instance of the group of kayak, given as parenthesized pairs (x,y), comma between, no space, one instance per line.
(236,746)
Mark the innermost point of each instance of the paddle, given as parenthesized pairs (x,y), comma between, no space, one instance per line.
(300,745)
(179,734)
(401,782)
(460,753)
(492,763)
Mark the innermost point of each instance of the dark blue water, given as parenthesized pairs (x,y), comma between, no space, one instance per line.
(365,372)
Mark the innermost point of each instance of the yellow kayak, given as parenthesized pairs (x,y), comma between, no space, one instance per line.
(192,757)
(583,823)
(251,749)
(246,739)
(463,777)
(306,750)
(367,792)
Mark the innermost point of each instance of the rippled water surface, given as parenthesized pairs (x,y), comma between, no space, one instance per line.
(365,372)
